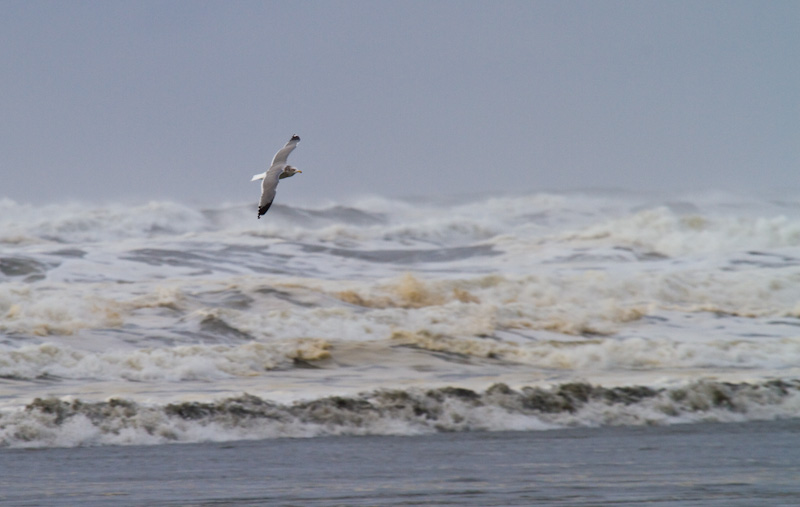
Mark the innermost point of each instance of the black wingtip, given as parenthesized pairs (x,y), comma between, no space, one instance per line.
(295,138)
(263,210)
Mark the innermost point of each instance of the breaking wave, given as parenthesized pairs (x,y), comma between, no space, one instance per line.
(69,423)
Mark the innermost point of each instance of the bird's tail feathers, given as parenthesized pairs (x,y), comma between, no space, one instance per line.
(257,177)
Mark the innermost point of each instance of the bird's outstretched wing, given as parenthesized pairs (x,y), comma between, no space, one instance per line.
(268,188)
(283,153)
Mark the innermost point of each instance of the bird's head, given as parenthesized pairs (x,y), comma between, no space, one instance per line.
(288,172)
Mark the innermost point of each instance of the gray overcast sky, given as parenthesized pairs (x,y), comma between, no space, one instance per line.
(131,100)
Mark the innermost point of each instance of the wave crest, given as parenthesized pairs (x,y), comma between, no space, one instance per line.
(56,422)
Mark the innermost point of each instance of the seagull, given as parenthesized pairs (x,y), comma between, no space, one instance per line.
(277,171)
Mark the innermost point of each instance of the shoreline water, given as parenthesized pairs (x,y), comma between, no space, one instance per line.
(731,464)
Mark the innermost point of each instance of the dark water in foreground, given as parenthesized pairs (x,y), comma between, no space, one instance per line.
(756,463)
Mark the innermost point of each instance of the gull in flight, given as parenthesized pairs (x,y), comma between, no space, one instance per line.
(277,171)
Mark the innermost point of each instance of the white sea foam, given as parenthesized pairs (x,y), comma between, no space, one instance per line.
(663,231)
(187,362)
(78,223)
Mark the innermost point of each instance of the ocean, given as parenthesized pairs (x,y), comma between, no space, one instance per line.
(446,319)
